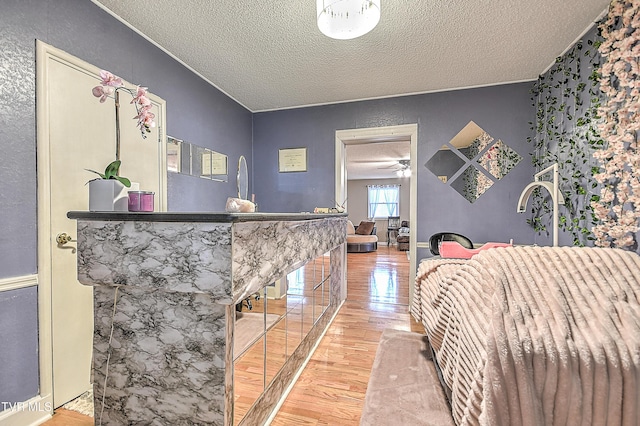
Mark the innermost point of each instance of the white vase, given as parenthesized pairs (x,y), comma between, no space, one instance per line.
(109,195)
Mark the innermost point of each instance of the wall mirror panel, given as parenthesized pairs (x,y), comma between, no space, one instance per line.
(294,322)
(276,350)
(276,344)
(242,178)
(248,379)
(173,156)
(326,294)
(471,161)
(265,336)
(185,158)
(307,296)
(472,183)
(193,160)
(499,160)
(445,163)
(197,165)
(318,302)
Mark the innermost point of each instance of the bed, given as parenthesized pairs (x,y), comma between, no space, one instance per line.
(535,335)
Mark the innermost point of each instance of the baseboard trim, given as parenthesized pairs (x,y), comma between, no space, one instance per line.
(35,411)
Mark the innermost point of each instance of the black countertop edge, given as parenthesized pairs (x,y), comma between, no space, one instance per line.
(197,216)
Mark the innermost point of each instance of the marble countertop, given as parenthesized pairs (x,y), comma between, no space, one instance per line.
(198,216)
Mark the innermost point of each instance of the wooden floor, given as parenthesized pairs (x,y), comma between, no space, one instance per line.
(331,389)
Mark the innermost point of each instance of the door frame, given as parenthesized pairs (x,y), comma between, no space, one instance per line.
(45,53)
(382,134)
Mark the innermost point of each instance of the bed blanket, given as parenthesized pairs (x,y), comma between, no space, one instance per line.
(536,335)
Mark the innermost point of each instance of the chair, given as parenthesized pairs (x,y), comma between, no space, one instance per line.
(436,239)
(392,226)
(403,236)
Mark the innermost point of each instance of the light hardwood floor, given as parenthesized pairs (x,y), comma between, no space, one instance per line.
(331,389)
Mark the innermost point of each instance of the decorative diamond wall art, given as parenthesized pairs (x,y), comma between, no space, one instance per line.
(472,161)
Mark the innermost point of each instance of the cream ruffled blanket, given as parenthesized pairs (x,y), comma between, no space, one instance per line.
(536,335)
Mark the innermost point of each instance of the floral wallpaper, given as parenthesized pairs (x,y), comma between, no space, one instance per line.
(618,206)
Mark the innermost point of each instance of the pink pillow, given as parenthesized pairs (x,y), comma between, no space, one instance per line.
(453,250)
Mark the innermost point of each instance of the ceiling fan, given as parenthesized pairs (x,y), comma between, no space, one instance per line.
(399,164)
(402,168)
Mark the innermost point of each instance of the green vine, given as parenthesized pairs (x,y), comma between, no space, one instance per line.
(566,100)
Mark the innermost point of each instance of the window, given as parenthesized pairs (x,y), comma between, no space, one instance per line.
(384,201)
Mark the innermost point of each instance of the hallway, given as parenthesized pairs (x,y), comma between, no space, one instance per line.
(331,389)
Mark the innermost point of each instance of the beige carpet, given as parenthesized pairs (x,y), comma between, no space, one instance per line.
(249,326)
(403,387)
(82,404)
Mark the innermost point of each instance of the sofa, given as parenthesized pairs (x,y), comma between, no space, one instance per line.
(362,238)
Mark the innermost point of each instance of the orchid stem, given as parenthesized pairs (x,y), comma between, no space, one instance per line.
(117,96)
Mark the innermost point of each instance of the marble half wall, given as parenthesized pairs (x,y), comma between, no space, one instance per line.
(158,357)
(164,295)
(171,256)
(266,251)
(199,256)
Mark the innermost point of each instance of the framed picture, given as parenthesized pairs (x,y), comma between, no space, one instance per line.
(292,160)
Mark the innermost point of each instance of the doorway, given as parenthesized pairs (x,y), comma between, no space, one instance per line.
(381,134)
(76,133)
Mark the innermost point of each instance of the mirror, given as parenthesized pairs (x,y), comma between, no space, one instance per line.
(243,178)
(477,145)
(308,283)
(199,164)
(276,343)
(267,335)
(193,160)
(248,379)
(185,158)
(248,352)
(472,183)
(471,161)
(445,163)
(173,155)
(499,160)
(294,321)
(276,349)
(219,166)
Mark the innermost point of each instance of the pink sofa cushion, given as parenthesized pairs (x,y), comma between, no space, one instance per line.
(452,249)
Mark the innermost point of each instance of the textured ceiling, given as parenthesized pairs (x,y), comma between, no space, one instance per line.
(379,162)
(270,54)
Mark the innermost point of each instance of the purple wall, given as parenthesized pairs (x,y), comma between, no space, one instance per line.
(196,112)
(200,114)
(502,111)
(19,348)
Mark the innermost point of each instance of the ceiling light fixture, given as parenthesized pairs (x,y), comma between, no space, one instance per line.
(404,172)
(347,19)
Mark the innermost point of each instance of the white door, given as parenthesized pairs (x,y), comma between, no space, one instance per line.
(81,135)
